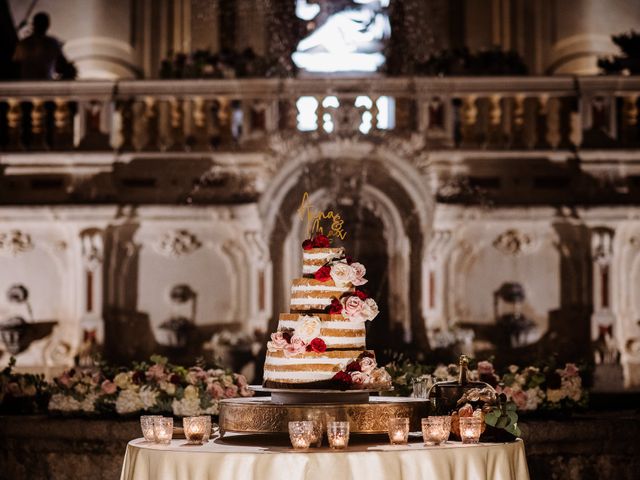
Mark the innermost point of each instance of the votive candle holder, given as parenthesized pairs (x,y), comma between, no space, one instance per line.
(194,429)
(338,434)
(163,429)
(300,433)
(207,432)
(470,429)
(146,425)
(398,430)
(436,429)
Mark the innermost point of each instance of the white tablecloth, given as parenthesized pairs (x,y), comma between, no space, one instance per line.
(246,458)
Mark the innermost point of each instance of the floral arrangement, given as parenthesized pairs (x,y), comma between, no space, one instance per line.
(542,388)
(22,393)
(158,387)
(304,338)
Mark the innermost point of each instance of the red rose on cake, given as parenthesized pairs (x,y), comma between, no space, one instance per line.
(335,307)
(323,274)
(342,378)
(317,345)
(307,245)
(321,241)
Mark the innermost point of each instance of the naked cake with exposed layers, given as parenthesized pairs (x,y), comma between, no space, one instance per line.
(321,343)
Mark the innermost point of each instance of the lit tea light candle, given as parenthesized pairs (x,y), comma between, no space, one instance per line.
(436,429)
(146,424)
(470,429)
(163,430)
(300,434)
(195,429)
(398,430)
(338,434)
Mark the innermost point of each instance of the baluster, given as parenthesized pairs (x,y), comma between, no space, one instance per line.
(554,135)
(224,119)
(37,125)
(93,138)
(374,114)
(320,111)
(567,107)
(542,122)
(517,130)
(199,137)
(176,122)
(496,135)
(469,121)
(629,119)
(14,124)
(63,134)
(151,123)
(125,108)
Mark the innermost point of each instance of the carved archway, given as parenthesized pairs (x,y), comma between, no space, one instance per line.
(381,181)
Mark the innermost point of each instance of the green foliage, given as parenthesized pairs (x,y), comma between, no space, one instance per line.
(503,415)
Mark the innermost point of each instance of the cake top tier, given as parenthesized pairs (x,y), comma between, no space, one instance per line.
(315,258)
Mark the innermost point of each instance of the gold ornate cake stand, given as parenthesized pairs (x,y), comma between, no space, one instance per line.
(262,415)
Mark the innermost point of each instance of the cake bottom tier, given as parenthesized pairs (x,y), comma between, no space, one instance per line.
(306,370)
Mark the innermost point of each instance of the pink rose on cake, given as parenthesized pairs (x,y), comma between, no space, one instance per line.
(342,274)
(295,347)
(309,328)
(359,378)
(278,342)
(368,364)
(359,272)
(352,307)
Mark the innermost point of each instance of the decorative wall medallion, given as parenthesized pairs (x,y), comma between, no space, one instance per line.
(514,242)
(176,243)
(15,242)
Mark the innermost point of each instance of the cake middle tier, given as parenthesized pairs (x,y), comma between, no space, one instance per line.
(311,294)
(305,368)
(335,330)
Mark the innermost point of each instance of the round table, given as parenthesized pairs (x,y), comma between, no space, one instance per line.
(247,457)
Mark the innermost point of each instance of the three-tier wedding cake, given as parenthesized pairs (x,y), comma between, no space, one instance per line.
(321,343)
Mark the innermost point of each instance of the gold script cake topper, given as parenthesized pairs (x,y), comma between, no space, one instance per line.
(314,217)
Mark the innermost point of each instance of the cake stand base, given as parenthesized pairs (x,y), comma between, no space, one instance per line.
(263,415)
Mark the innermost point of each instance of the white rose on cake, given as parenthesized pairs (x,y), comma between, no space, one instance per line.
(342,274)
(370,309)
(309,328)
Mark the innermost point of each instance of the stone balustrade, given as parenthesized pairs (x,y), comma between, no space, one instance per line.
(490,113)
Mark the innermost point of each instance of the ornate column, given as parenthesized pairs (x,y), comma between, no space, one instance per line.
(435,279)
(91,288)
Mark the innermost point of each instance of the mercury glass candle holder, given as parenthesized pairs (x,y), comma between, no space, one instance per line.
(398,430)
(470,429)
(163,429)
(316,432)
(338,434)
(436,429)
(421,388)
(195,429)
(207,432)
(146,424)
(300,433)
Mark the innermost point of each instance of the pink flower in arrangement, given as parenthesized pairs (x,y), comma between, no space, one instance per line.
(570,370)
(216,390)
(520,399)
(108,387)
(359,272)
(156,372)
(295,347)
(241,380)
(231,391)
(244,391)
(485,368)
(65,379)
